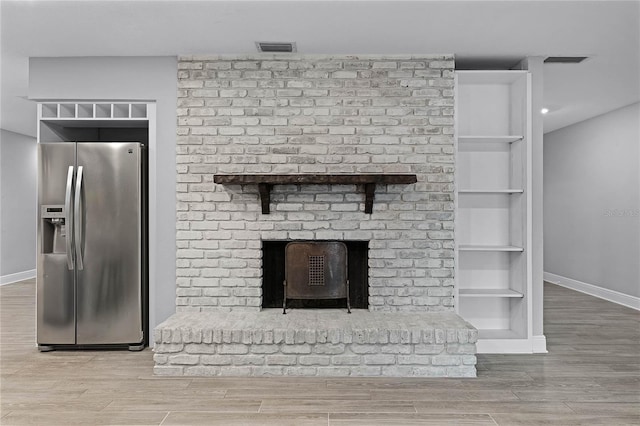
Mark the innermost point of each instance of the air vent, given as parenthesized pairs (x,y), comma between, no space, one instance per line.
(565,59)
(277,47)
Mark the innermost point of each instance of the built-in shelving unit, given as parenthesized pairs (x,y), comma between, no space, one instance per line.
(93,121)
(92,111)
(493,221)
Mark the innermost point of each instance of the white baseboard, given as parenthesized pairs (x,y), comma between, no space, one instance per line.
(18,276)
(593,290)
(539,344)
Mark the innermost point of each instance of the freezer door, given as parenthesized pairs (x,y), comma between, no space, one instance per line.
(55,290)
(108,243)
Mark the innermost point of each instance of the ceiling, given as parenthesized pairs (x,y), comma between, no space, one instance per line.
(489,33)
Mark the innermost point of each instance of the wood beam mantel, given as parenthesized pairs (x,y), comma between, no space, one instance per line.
(266,182)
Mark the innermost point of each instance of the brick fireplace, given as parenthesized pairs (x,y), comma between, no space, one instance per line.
(324,115)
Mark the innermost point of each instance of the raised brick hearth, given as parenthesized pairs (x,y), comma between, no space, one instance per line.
(320,342)
(290,114)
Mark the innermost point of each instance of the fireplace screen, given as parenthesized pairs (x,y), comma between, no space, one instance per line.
(316,270)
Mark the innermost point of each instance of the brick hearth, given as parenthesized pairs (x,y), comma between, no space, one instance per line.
(314,342)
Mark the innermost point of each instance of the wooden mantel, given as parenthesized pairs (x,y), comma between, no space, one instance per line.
(265,182)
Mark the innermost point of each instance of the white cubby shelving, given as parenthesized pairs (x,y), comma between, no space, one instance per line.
(92,111)
(61,121)
(493,220)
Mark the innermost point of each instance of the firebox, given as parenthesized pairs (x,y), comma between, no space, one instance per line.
(315,270)
(318,276)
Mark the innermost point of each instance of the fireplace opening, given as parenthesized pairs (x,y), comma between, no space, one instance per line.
(273,275)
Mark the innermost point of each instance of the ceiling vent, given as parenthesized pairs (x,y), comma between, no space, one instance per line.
(565,59)
(276,47)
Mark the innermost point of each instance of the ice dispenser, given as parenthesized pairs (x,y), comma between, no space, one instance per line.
(54,229)
(56,267)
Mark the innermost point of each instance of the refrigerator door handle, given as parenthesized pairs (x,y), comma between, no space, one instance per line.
(68,219)
(77,213)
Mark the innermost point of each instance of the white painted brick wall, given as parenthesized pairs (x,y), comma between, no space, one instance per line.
(296,114)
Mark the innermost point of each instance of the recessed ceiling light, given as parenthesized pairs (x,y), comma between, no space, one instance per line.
(544,110)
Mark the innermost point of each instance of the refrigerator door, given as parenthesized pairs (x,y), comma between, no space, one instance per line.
(108,238)
(55,290)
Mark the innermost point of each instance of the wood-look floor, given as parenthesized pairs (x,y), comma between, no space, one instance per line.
(591,376)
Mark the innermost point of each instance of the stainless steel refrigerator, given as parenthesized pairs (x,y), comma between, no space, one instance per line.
(91,266)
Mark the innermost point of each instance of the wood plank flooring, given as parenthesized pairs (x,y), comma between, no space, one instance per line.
(591,376)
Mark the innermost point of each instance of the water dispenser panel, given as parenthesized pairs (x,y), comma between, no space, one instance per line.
(52,211)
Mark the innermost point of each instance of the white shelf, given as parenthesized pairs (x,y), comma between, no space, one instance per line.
(95,122)
(477,247)
(490,191)
(490,139)
(489,292)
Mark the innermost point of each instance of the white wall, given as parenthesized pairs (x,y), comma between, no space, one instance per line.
(591,201)
(130,78)
(18,164)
